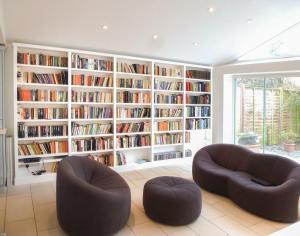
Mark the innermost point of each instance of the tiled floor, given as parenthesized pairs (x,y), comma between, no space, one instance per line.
(30,210)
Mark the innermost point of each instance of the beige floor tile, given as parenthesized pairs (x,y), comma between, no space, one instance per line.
(147,229)
(45,216)
(148,173)
(43,197)
(210,212)
(137,198)
(205,227)
(41,187)
(161,171)
(2,202)
(126,231)
(21,228)
(139,183)
(18,190)
(132,175)
(137,216)
(19,208)
(232,227)
(2,220)
(184,232)
(52,232)
(263,228)
(168,229)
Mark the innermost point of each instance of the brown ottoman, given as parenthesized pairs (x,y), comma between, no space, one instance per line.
(172,200)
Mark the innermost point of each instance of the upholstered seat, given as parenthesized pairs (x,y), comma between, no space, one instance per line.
(92,199)
(264,184)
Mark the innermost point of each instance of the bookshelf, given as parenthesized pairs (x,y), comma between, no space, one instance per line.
(123,110)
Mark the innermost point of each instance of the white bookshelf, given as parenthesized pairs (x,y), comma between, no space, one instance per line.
(133,153)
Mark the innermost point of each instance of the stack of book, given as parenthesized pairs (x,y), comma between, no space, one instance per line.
(198,74)
(133,112)
(37,95)
(133,141)
(79,62)
(167,125)
(133,97)
(165,85)
(92,80)
(41,59)
(201,99)
(198,86)
(39,78)
(133,83)
(163,71)
(43,148)
(197,111)
(92,144)
(168,99)
(133,127)
(161,139)
(26,131)
(99,97)
(121,159)
(163,112)
(91,129)
(88,112)
(167,155)
(105,159)
(132,68)
(187,137)
(193,124)
(42,113)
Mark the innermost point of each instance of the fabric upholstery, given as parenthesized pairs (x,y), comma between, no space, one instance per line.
(172,200)
(227,169)
(91,198)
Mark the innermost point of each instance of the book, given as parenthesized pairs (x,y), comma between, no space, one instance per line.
(80,62)
(200,99)
(92,144)
(35,113)
(90,112)
(52,147)
(91,129)
(133,97)
(42,78)
(38,95)
(167,155)
(30,131)
(194,124)
(133,141)
(133,83)
(168,112)
(168,99)
(133,68)
(41,59)
(105,159)
(165,85)
(198,74)
(167,125)
(133,127)
(198,86)
(133,112)
(161,139)
(203,111)
(97,97)
(164,71)
(92,80)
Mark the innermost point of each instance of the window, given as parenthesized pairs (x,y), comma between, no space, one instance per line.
(267,114)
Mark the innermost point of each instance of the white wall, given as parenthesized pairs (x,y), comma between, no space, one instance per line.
(2,30)
(222,91)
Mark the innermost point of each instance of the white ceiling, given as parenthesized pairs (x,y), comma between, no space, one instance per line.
(223,35)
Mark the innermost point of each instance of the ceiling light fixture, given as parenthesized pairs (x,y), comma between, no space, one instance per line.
(105,27)
(155,36)
(211,9)
(195,44)
(249,21)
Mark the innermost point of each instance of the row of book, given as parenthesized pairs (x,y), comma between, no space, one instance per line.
(133,97)
(198,74)
(133,83)
(92,144)
(30,131)
(165,85)
(121,159)
(197,111)
(168,98)
(80,62)
(52,147)
(198,86)
(163,71)
(89,112)
(105,159)
(200,99)
(91,129)
(193,124)
(133,112)
(161,139)
(133,141)
(38,95)
(41,59)
(168,112)
(187,137)
(35,113)
(167,125)
(133,68)
(92,80)
(100,97)
(133,127)
(42,78)
(167,155)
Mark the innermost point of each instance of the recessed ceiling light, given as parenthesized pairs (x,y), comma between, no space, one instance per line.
(211,9)
(249,21)
(195,44)
(155,36)
(105,27)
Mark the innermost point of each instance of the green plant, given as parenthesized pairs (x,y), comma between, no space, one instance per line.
(289,137)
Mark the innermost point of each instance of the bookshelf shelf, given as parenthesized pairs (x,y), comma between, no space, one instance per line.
(40,162)
(159,80)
